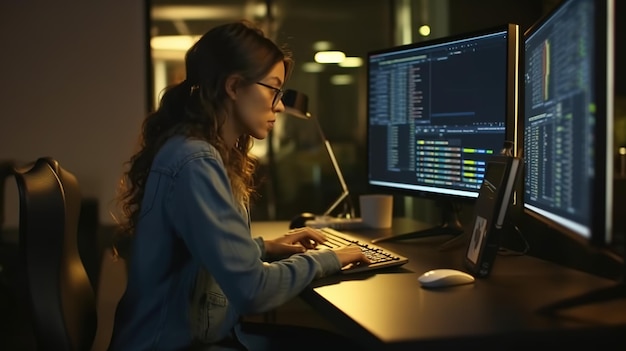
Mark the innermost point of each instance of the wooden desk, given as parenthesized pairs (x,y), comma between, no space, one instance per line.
(388,310)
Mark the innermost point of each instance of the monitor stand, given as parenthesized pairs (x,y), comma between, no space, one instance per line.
(614,292)
(602,295)
(450,225)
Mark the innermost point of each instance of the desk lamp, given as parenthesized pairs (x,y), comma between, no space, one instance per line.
(297,105)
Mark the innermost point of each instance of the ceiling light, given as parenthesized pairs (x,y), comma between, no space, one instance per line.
(168,55)
(341,79)
(329,57)
(195,12)
(173,42)
(424,30)
(351,62)
(322,45)
(312,67)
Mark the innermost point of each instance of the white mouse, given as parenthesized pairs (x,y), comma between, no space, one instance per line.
(442,277)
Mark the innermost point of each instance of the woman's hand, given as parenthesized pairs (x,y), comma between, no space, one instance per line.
(295,241)
(351,254)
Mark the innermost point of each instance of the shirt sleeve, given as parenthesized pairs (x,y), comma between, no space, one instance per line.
(261,243)
(216,233)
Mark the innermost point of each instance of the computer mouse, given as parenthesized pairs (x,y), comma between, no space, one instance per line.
(300,220)
(443,277)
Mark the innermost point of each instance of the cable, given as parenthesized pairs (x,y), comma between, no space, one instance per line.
(508,252)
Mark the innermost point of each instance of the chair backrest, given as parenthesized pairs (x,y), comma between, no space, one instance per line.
(57,289)
(6,170)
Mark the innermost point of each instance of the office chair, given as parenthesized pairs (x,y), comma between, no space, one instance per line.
(6,170)
(7,250)
(57,289)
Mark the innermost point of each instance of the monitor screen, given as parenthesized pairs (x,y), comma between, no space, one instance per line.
(568,136)
(438,109)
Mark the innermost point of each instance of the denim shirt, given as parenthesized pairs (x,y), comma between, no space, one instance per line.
(190,221)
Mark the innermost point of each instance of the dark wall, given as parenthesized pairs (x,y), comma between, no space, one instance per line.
(468,15)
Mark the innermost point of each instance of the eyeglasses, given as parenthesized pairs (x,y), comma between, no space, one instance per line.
(278,93)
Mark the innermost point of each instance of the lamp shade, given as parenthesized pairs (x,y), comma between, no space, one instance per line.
(296,104)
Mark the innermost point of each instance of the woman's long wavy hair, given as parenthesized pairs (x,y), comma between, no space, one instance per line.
(196,108)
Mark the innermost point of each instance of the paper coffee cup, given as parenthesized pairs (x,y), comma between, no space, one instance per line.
(376,210)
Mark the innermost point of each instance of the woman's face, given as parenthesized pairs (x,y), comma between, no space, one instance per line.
(261,102)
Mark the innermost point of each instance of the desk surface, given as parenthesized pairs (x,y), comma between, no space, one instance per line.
(388,309)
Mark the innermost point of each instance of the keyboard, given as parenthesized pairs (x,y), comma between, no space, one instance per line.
(379,257)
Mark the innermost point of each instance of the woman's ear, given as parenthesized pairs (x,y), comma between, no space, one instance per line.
(232,84)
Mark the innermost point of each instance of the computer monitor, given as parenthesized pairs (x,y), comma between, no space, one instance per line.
(568,121)
(437,110)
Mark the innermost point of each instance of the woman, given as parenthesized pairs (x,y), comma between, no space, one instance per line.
(194,268)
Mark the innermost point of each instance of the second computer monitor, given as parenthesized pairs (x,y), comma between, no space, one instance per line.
(568,119)
(438,109)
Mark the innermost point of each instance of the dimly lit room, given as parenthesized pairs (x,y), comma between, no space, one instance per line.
(380,174)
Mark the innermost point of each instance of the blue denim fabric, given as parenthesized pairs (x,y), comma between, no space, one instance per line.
(189,219)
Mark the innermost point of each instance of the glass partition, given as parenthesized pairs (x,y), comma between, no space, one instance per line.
(297,172)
